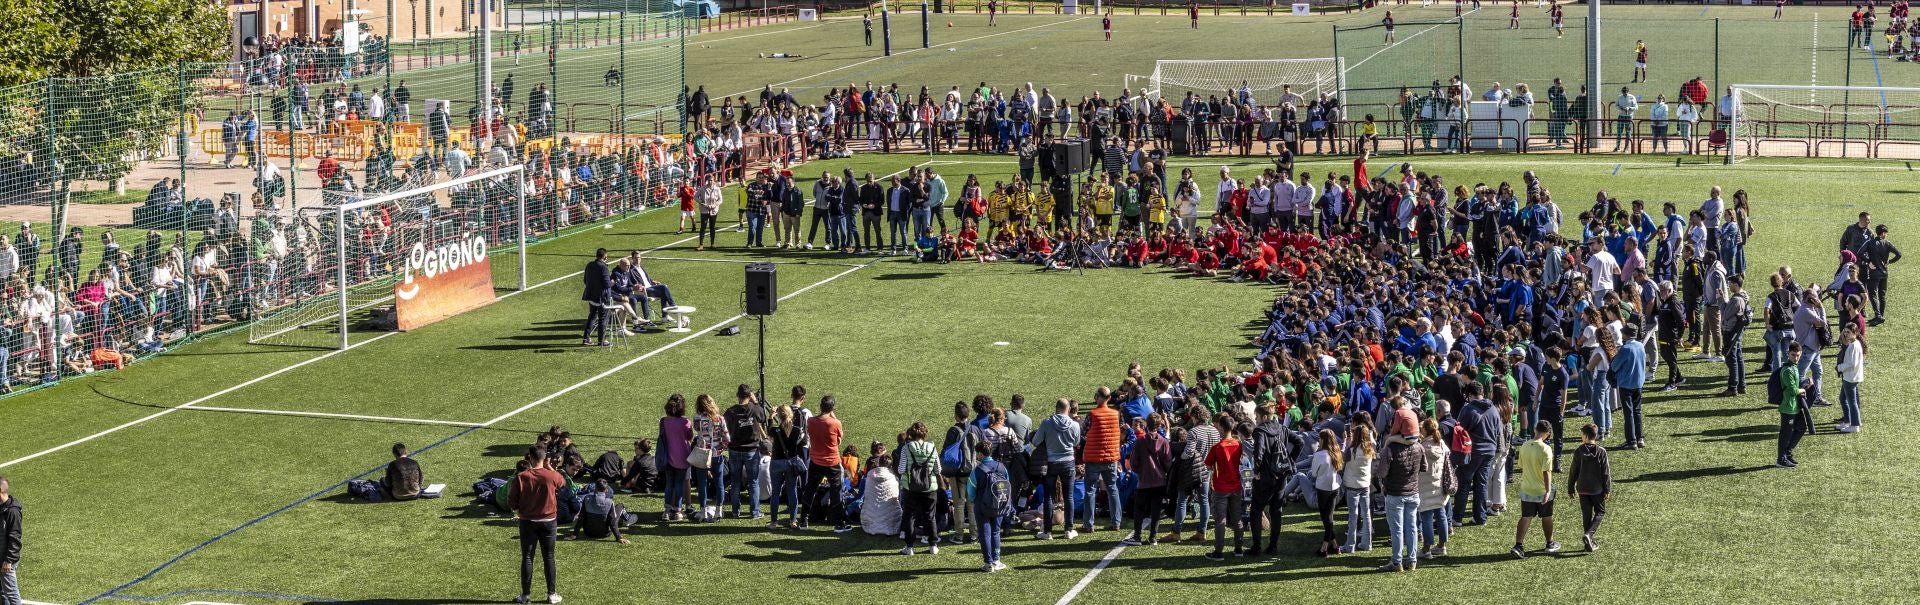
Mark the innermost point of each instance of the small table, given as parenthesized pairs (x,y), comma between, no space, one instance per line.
(677,315)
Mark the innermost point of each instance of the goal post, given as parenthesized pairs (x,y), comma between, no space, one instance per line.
(330,262)
(1786,120)
(1262,77)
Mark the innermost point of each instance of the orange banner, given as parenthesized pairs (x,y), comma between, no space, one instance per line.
(443,281)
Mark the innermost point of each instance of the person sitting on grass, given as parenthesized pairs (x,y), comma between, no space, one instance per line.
(403,479)
(600,516)
(927,247)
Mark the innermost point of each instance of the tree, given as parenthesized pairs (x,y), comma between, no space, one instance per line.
(88,82)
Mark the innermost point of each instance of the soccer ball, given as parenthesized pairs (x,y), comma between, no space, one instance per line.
(949,24)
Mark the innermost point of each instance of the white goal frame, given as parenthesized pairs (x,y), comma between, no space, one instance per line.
(1332,82)
(341,284)
(1784,94)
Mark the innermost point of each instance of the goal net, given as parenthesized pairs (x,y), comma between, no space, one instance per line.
(1262,78)
(1822,121)
(324,268)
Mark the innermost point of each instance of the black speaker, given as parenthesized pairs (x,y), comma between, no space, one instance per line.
(1070,156)
(1178,132)
(761,293)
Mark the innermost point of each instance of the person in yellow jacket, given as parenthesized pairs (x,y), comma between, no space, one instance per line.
(1102,202)
(1156,210)
(999,205)
(1041,204)
(1019,203)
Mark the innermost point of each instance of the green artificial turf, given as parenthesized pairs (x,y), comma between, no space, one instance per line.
(1697,517)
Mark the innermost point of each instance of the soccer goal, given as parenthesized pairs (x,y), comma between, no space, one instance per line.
(1172,79)
(1778,120)
(328,265)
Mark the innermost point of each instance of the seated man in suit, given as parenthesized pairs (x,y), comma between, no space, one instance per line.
(643,283)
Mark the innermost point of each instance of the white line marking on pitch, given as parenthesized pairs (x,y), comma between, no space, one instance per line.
(911,50)
(261,378)
(1091,574)
(177,408)
(330,415)
(1409,37)
(663,348)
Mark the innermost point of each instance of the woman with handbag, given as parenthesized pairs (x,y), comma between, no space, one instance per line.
(708,464)
(676,444)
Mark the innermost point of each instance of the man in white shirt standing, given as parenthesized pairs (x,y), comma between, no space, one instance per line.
(1260,203)
(1601,268)
(1223,200)
(1303,198)
(1283,200)
(1710,212)
(1624,107)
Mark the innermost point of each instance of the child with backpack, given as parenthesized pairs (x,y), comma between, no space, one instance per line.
(990,490)
(1591,476)
(919,469)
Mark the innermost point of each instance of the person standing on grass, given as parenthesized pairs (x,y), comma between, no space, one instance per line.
(1224,462)
(1591,476)
(1272,452)
(1387,22)
(1629,375)
(1788,393)
(993,11)
(962,437)
(1057,439)
(1624,107)
(1436,475)
(1482,425)
(1875,256)
(1735,314)
(747,442)
(1193,14)
(1639,60)
(534,500)
(823,470)
(1400,485)
(676,442)
(1151,459)
(9,544)
(1809,331)
(919,471)
(1670,326)
(990,490)
(1325,469)
(1101,459)
(1536,490)
(596,292)
(866,25)
(707,231)
(1356,481)
(1852,367)
(788,467)
(1106,25)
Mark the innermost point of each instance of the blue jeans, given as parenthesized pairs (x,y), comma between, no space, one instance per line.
(897,230)
(922,219)
(1810,371)
(709,480)
(660,291)
(1777,347)
(989,537)
(849,229)
(1600,402)
(756,229)
(743,471)
(10,587)
(675,494)
(1403,519)
(1474,476)
(1436,524)
(1359,519)
(1736,359)
(787,477)
(1107,473)
(1196,493)
(1849,402)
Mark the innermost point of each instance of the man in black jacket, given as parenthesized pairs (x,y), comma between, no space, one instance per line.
(403,480)
(1875,255)
(1857,233)
(595,294)
(1274,448)
(9,543)
(1483,426)
(873,200)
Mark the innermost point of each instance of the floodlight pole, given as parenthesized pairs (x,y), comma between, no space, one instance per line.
(926,27)
(486,72)
(1593,121)
(886,34)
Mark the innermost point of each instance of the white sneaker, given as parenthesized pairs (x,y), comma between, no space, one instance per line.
(907,551)
(1043,536)
(553,598)
(933,549)
(1848,428)
(809,246)
(626,332)
(998,566)
(1072,534)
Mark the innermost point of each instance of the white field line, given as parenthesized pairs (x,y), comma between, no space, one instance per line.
(329,415)
(1091,574)
(256,380)
(663,348)
(912,50)
(259,379)
(1398,41)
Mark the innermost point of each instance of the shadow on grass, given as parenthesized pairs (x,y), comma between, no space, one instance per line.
(1706,413)
(882,577)
(1737,434)
(1694,473)
(441,601)
(901,276)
